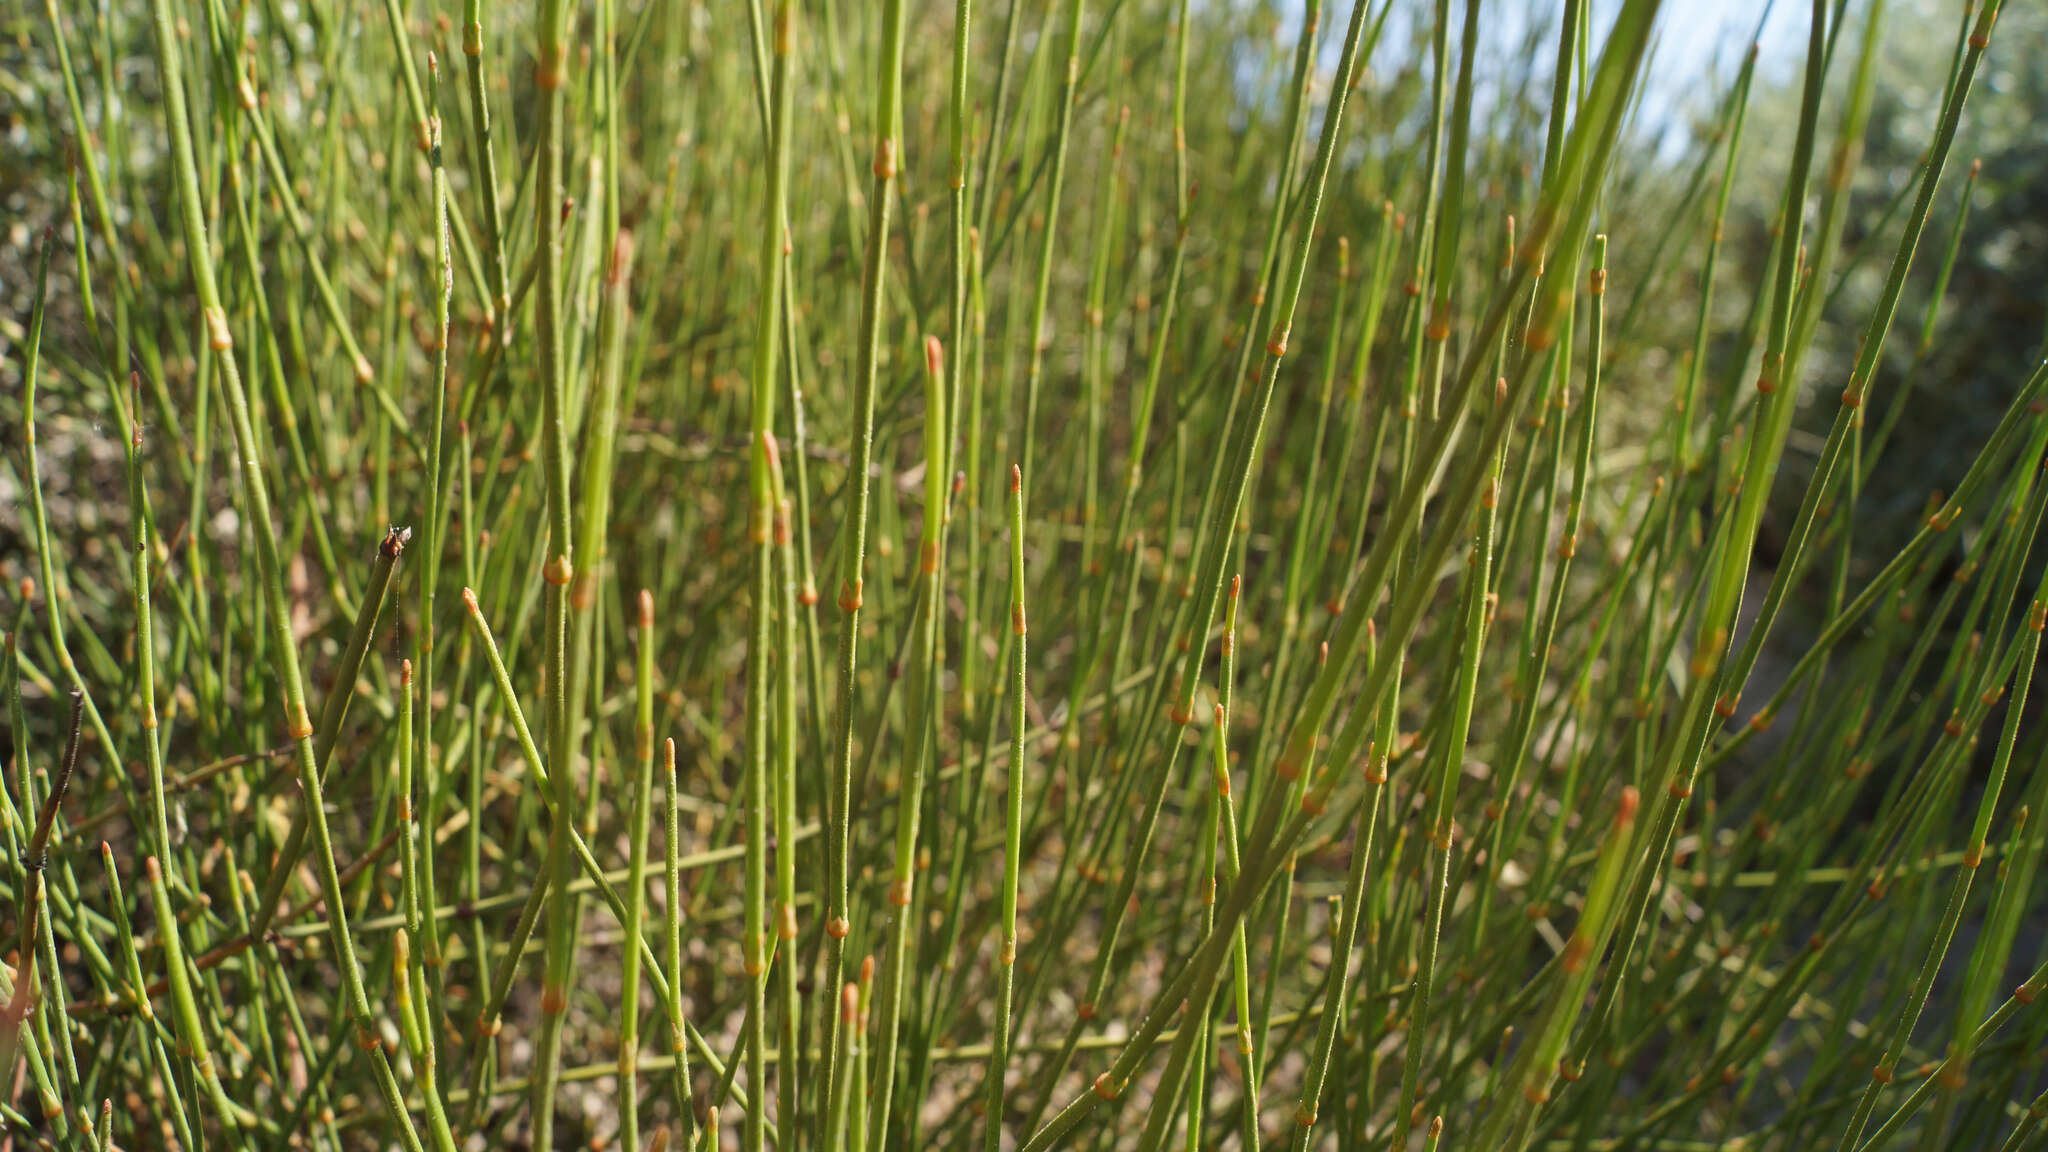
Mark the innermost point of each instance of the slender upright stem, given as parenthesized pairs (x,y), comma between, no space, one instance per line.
(853,541)
(1013,824)
(283,645)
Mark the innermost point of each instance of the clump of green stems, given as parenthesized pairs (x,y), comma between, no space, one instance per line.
(1412,747)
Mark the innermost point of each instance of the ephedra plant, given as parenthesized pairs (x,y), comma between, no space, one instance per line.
(1133,574)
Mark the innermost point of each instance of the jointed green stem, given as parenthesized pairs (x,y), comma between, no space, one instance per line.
(1013,826)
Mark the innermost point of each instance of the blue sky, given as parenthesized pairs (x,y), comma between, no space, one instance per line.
(1699,42)
(1697,35)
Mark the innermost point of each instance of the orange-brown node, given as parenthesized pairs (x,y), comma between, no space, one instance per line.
(218,335)
(301,727)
